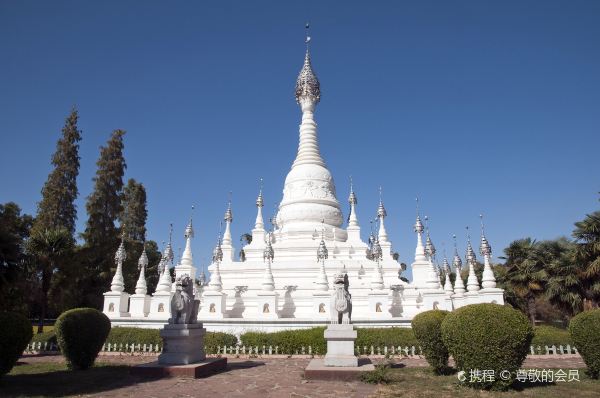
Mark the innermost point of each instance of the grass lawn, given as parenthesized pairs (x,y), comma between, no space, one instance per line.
(421,382)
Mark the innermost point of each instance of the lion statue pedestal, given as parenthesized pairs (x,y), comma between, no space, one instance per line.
(183,337)
(340,334)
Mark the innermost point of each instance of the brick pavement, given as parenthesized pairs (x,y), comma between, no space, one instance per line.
(261,377)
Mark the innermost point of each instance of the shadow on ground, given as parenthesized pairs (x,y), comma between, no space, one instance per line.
(59,383)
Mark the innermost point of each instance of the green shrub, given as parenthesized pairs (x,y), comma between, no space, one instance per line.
(381,337)
(292,341)
(130,335)
(288,341)
(487,337)
(15,333)
(549,335)
(80,333)
(427,327)
(45,337)
(585,331)
(381,374)
(213,340)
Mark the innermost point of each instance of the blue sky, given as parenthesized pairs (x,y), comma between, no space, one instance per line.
(474,106)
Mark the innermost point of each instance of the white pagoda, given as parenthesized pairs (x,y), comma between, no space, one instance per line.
(284,277)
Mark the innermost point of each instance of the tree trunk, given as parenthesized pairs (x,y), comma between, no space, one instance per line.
(531,309)
(44,299)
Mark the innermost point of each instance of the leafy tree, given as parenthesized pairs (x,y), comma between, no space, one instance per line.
(104,208)
(48,246)
(246,238)
(57,208)
(134,215)
(14,262)
(587,254)
(525,276)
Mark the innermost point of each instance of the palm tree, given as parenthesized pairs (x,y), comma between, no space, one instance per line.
(587,254)
(525,276)
(564,288)
(48,247)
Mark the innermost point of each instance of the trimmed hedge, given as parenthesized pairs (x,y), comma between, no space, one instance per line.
(288,341)
(80,333)
(214,340)
(15,333)
(550,335)
(131,335)
(427,327)
(585,331)
(487,337)
(381,337)
(292,341)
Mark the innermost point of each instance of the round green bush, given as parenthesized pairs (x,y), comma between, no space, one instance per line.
(487,337)
(585,331)
(80,333)
(427,327)
(15,333)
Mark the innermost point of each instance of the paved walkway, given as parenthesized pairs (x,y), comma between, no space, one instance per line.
(270,378)
(259,377)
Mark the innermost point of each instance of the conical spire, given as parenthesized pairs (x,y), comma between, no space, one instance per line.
(307,84)
(353,226)
(352,199)
(381,214)
(259,224)
(420,250)
(459,286)
(141,287)
(447,283)
(118,283)
(429,247)
(485,249)
(215,283)
(488,280)
(227,242)
(164,282)
(433,277)
(168,254)
(472,283)
(268,283)
(187,259)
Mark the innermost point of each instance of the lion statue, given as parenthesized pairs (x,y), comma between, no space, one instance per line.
(184,308)
(341,305)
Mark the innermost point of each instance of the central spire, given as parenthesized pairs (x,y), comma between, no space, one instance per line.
(309,195)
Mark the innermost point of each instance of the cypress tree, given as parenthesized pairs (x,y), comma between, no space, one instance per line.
(133,221)
(104,208)
(134,215)
(104,204)
(57,209)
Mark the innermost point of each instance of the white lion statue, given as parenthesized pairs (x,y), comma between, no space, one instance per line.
(341,305)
